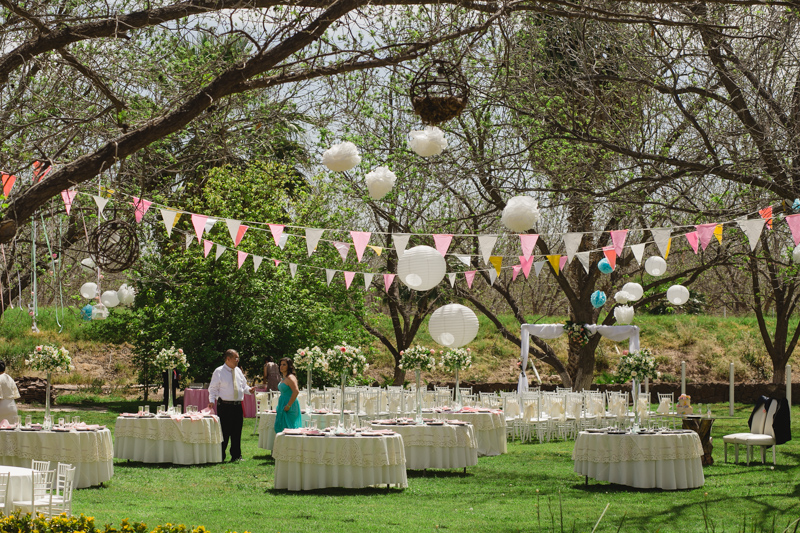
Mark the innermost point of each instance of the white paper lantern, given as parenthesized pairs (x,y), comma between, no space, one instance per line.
(678,295)
(796,255)
(109,299)
(624,314)
(520,214)
(421,268)
(341,157)
(655,266)
(99,312)
(623,297)
(453,325)
(379,182)
(427,142)
(634,289)
(88,265)
(89,290)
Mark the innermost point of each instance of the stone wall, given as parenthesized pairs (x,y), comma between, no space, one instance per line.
(34,390)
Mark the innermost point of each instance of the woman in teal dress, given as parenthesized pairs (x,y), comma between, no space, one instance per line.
(288,411)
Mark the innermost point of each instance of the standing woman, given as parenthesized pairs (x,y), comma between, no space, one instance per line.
(8,393)
(288,411)
(272,375)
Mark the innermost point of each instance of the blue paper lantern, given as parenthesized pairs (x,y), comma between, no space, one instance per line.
(604,266)
(86,312)
(598,299)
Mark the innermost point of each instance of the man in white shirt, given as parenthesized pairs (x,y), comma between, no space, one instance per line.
(227,389)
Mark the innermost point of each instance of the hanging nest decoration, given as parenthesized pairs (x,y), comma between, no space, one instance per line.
(439,92)
(114,246)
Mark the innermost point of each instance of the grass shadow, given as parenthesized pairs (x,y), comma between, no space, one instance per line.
(369,491)
(136,465)
(435,473)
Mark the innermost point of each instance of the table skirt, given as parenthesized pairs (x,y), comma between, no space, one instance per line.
(490,431)
(165,451)
(667,474)
(437,446)
(19,485)
(300,476)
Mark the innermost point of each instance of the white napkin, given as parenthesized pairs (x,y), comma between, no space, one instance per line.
(557,408)
(530,411)
(371,407)
(574,410)
(596,407)
(663,406)
(617,406)
(512,408)
(642,407)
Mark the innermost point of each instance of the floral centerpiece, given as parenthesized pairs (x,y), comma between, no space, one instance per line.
(418,358)
(637,365)
(309,359)
(166,360)
(48,358)
(577,332)
(454,360)
(344,359)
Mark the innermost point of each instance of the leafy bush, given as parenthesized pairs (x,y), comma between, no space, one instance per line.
(24,523)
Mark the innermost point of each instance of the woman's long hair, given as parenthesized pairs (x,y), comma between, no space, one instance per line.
(289,365)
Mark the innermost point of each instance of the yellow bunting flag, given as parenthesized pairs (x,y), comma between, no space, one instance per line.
(496,260)
(376,249)
(177,217)
(718,232)
(669,244)
(554,261)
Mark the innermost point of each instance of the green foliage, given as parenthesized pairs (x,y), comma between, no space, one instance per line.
(18,523)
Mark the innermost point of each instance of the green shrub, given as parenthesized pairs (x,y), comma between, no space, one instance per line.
(24,523)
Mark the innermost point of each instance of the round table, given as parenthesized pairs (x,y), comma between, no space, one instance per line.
(184,441)
(19,484)
(490,430)
(306,463)
(91,452)
(667,460)
(266,424)
(199,397)
(436,445)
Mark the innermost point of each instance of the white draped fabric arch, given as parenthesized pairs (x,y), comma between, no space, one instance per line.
(551,331)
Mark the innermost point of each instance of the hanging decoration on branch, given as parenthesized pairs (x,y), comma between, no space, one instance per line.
(380,182)
(89,290)
(88,265)
(605,266)
(678,295)
(439,92)
(598,299)
(114,246)
(341,157)
(520,214)
(634,290)
(655,266)
(421,268)
(453,325)
(427,142)
(623,314)
(109,299)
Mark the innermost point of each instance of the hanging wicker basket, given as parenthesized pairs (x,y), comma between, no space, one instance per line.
(114,246)
(439,92)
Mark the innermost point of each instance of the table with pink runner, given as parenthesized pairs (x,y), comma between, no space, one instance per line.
(436,444)
(306,461)
(182,439)
(199,397)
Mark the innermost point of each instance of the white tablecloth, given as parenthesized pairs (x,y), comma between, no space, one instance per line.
(430,446)
(166,440)
(19,485)
(266,425)
(307,463)
(665,461)
(490,431)
(90,452)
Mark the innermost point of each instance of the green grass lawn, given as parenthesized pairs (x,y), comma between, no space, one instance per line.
(532,488)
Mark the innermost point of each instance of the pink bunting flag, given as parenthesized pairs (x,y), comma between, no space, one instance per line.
(611,254)
(618,238)
(528,243)
(705,232)
(141,206)
(207,246)
(470,275)
(442,242)
(241,256)
(8,183)
(387,281)
(39,172)
(766,214)
(199,223)
(343,248)
(562,262)
(348,278)
(794,225)
(277,230)
(240,234)
(68,197)
(360,241)
(526,265)
(693,240)
(516,269)
(277,262)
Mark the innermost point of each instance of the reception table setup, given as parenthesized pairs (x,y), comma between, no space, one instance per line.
(193,438)
(321,418)
(645,459)
(308,459)
(489,426)
(434,443)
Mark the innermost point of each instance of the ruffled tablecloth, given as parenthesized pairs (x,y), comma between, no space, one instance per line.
(167,440)
(266,425)
(665,461)
(307,463)
(19,485)
(90,452)
(490,430)
(430,446)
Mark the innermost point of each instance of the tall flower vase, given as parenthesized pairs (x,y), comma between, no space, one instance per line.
(418,419)
(308,382)
(341,395)
(457,403)
(169,392)
(48,422)
(635,395)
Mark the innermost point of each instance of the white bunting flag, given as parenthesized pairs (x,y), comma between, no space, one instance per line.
(220,250)
(368,280)
(537,267)
(343,248)
(189,239)
(661,237)
(464,258)
(329,273)
(210,224)
(256,262)
(572,241)
(452,277)
(492,276)
(293,269)
(101,203)
(583,257)
(400,241)
(638,251)
(752,228)
(312,239)
(486,244)
(233,227)
(282,241)
(168,216)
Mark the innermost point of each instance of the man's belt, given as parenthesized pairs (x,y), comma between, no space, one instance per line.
(229,402)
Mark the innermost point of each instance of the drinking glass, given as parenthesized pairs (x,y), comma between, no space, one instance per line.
(141,409)
(177,409)
(47,423)
(76,420)
(160,410)
(61,422)
(28,421)
(17,421)
(147,409)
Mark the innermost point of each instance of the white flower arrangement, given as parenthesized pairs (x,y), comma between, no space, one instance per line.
(48,358)
(345,358)
(457,358)
(311,358)
(637,365)
(170,358)
(418,357)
